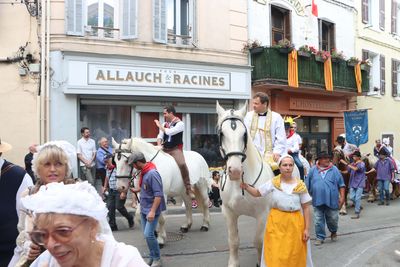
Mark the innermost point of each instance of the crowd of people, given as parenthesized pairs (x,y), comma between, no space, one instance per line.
(56,220)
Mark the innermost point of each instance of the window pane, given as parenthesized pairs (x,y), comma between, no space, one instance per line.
(108,121)
(108,20)
(171,16)
(204,138)
(93,17)
(277,18)
(319,125)
(148,128)
(303,125)
(184,17)
(277,37)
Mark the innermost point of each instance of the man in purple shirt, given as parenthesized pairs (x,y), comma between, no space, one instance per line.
(384,174)
(152,202)
(357,181)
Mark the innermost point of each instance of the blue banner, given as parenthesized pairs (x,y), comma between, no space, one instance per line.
(356,124)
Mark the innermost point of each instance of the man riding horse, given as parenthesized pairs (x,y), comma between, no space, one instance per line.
(266,129)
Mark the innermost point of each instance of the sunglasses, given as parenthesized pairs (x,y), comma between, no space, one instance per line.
(62,234)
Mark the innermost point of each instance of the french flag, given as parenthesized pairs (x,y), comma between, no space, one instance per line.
(314,9)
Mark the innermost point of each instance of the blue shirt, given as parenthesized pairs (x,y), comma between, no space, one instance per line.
(112,181)
(325,190)
(100,155)
(384,169)
(151,187)
(357,178)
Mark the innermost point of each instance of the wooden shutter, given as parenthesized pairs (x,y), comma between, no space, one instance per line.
(74,14)
(129,19)
(394,17)
(160,21)
(395,64)
(365,11)
(193,21)
(365,54)
(382,14)
(332,33)
(382,72)
(288,27)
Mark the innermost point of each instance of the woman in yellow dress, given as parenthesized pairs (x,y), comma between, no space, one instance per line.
(286,237)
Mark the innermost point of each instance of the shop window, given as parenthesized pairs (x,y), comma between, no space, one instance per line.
(280,24)
(106,121)
(326,35)
(319,125)
(204,138)
(103,18)
(174,21)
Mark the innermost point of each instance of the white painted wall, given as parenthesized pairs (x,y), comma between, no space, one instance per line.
(305,28)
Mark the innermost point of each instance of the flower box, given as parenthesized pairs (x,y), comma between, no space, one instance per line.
(365,67)
(319,58)
(336,59)
(285,50)
(303,53)
(256,50)
(351,63)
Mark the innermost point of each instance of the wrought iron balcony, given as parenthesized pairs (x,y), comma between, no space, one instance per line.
(271,65)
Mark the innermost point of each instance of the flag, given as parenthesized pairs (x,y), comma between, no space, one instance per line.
(356,124)
(314,9)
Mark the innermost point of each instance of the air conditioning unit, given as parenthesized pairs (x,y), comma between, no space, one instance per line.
(34,68)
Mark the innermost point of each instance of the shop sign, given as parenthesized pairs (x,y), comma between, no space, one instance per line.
(316,105)
(298,7)
(145,76)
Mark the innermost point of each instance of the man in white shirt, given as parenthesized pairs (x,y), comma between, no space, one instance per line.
(86,150)
(13,182)
(266,129)
(348,149)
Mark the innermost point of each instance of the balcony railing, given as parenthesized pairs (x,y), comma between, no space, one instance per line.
(272,65)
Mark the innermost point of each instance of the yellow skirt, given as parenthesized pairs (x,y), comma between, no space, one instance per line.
(283,239)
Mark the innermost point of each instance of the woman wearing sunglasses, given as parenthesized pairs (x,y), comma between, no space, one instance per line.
(70,221)
(52,163)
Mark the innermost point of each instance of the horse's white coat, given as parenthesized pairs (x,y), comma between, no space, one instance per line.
(234,203)
(171,177)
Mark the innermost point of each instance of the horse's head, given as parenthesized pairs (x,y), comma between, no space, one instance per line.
(369,161)
(122,152)
(233,139)
(337,155)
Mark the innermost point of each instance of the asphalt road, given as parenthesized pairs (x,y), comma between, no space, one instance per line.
(369,241)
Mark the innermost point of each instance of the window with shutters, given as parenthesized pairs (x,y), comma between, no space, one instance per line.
(372,13)
(395,77)
(180,21)
(280,24)
(395,27)
(326,35)
(382,14)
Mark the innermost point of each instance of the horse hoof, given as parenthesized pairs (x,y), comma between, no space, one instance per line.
(204,229)
(184,229)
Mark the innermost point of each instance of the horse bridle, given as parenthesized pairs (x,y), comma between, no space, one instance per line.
(118,154)
(233,119)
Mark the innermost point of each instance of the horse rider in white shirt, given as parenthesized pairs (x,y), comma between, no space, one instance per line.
(266,129)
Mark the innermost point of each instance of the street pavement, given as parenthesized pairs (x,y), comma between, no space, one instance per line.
(369,241)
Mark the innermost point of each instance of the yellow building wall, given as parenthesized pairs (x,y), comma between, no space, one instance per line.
(18,94)
(385,109)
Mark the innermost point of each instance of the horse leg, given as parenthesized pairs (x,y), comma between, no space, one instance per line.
(259,237)
(202,198)
(188,207)
(162,234)
(233,236)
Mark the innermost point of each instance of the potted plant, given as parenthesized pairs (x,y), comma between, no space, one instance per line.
(352,61)
(366,64)
(304,51)
(254,47)
(322,55)
(337,56)
(284,46)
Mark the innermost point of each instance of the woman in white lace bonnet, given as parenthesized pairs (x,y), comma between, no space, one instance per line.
(52,163)
(70,221)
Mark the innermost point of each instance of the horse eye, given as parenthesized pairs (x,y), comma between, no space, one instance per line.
(126,160)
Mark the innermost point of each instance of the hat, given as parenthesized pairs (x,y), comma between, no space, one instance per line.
(4,147)
(383,152)
(135,157)
(340,138)
(323,155)
(357,153)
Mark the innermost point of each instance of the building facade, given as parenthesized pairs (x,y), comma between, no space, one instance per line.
(116,64)
(20,87)
(320,110)
(378,39)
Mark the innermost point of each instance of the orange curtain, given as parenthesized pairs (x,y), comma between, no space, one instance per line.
(293,75)
(328,75)
(357,74)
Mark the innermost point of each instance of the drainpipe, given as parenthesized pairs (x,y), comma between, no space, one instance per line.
(47,118)
(42,74)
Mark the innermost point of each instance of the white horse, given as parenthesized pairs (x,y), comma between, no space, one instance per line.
(243,163)
(171,177)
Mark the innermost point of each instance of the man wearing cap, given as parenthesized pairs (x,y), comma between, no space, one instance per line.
(152,202)
(266,129)
(357,181)
(326,187)
(13,182)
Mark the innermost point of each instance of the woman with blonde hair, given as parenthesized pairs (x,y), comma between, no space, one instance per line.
(52,163)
